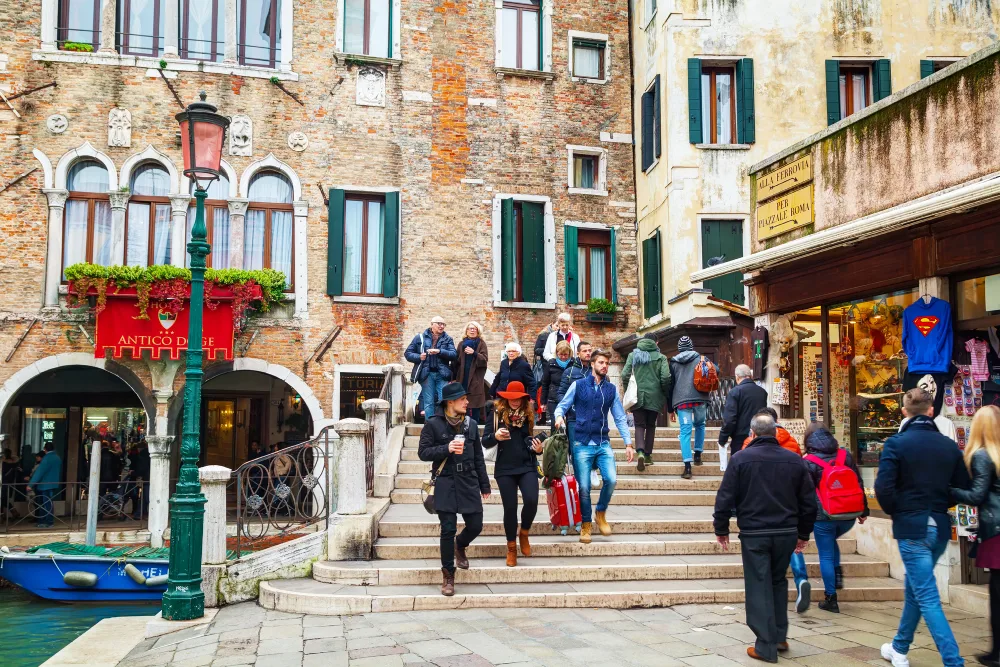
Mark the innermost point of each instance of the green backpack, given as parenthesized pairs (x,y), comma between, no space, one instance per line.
(554,456)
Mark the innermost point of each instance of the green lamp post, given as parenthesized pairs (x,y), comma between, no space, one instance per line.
(203,133)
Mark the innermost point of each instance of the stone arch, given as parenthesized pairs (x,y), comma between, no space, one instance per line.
(19,379)
(84,151)
(227,169)
(272,163)
(150,154)
(43,159)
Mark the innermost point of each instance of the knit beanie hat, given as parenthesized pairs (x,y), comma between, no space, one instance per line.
(685,344)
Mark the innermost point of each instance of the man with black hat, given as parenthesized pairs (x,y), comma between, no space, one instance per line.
(451,438)
(689,403)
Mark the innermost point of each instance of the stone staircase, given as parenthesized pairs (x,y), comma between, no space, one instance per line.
(663,552)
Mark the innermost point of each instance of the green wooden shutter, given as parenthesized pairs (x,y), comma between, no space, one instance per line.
(926,68)
(746,132)
(533,252)
(570,261)
(508,253)
(614,267)
(335,244)
(882,79)
(723,238)
(657,125)
(832,92)
(390,245)
(648,112)
(694,102)
(651,276)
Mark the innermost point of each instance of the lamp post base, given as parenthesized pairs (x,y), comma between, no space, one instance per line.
(184,599)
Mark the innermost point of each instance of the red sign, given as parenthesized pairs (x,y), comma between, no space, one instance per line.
(119,328)
(925,323)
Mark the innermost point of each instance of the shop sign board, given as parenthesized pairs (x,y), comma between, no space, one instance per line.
(118,329)
(786,212)
(783,179)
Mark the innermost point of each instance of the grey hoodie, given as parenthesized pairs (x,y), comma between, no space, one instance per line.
(682,380)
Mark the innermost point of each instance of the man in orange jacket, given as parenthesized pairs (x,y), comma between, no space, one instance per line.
(785,439)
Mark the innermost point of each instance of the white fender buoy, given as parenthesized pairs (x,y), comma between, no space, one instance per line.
(134,574)
(80,579)
(156,581)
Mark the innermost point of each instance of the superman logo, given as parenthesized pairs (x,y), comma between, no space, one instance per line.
(925,323)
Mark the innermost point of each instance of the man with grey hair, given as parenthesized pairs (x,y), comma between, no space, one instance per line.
(774,499)
(563,332)
(743,401)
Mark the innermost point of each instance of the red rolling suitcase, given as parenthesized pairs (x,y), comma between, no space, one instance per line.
(564,504)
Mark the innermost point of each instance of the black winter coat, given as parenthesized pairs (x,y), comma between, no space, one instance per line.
(984,494)
(742,402)
(770,489)
(823,445)
(515,456)
(551,379)
(519,372)
(463,480)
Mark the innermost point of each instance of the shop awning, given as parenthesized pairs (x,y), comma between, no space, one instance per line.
(957,199)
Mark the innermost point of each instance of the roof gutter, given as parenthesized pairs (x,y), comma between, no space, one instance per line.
(956,199)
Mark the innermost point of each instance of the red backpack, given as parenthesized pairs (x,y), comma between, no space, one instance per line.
(839,493)
(706,378)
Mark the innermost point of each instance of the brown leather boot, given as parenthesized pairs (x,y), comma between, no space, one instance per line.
(461,560)
(602,523)
(512,554)
(585,532)
(448,587)
(522,536)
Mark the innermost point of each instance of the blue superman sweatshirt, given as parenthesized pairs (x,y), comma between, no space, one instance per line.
(927,336)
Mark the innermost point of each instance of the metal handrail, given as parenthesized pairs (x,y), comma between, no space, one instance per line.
(66,506)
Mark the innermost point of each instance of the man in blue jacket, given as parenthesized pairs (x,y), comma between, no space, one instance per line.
(431,354)
(45,481)
(917,467)
(592,398)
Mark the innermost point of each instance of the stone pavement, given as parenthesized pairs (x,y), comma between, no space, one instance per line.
(683,635)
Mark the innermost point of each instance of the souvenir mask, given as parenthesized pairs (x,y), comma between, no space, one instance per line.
(928,384)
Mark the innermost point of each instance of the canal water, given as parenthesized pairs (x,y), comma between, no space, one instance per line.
(34,629)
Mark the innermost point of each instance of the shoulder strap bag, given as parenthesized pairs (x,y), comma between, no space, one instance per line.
(427,488)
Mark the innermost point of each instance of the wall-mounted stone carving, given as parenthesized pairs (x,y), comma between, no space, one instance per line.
(120,128)
(371,87)
(241,136)
(298,141)
(57,123)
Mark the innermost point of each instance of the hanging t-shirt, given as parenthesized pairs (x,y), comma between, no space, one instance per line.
(977,350)
(759,345)
(927,336)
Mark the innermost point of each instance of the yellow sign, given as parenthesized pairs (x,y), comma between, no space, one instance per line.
(785,178)
(785,213)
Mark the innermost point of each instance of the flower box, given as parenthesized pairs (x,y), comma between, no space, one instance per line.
(600,318)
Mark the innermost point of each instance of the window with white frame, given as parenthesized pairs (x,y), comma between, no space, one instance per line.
(148,225)
(259,31)
(267,231)
(216,222)
(141,26)
(521,34)
(203,29)
(367,27)
(587,170)
(88,230)
(589,57)
(523,250)
(79,25)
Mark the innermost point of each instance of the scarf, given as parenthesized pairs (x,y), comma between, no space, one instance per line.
(563,364)
(456,421)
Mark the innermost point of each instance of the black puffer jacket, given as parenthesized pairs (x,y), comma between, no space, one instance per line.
(464,477)
(515,456)
(823,445)
(519,371)
(551,379)
(984,494)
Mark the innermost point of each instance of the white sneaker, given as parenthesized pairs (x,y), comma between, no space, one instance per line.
(892,655)
(595,479)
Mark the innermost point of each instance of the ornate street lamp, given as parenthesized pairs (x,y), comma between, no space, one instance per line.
(203,133)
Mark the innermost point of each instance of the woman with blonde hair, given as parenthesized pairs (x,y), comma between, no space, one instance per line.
(982,456)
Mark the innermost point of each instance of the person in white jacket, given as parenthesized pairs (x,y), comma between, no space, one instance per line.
(564,332)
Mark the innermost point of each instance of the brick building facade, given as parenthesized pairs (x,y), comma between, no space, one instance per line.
(420,114)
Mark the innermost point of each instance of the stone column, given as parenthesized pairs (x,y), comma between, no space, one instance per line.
(350,474)
(301,277)
(109,22)
(54,247)
(377,411)
(50,18)
(397,391)
(159,486)
(213,538)
(237,227)
(119,206)
(179,205)
(231,53)
(171,29)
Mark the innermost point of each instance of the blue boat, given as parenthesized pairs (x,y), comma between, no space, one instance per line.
(77,573)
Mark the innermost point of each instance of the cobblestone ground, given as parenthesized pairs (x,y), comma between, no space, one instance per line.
(692,635)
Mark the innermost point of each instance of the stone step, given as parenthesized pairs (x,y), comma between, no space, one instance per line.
(553,570)
(307,596)
(624,469)
(704,498)
(661,431)
(625,483)
(659,456)
(666,444)
(556,545)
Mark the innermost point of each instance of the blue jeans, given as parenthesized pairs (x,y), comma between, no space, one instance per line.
(919,557)
(798,564)
(46,517)
(826,534)
(430,393)
(692,418)
(584,457)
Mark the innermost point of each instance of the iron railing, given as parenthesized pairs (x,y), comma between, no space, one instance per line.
(123,505)
(717,399)
(284,491)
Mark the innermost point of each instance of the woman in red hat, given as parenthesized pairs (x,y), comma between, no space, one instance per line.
(511,428)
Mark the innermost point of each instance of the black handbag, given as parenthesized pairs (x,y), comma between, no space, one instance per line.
(427,489)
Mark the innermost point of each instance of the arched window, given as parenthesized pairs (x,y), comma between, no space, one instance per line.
(87,219)
(141,27)
(203,29)
(217,222)
(148,217)
(79,23)
(267,238)
(260,32)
